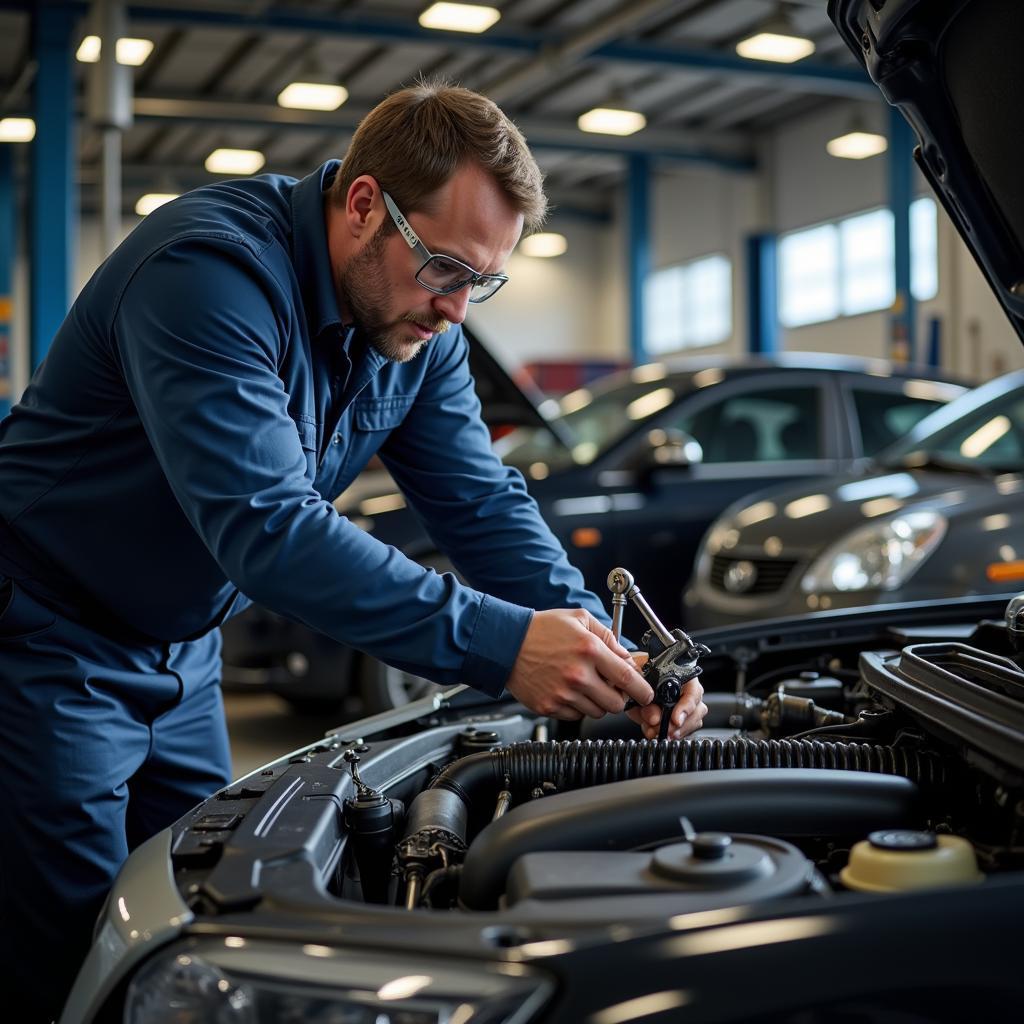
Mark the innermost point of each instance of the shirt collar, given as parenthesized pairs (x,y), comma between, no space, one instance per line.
(309,249)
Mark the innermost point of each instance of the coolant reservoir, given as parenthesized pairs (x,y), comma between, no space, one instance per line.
(899,859)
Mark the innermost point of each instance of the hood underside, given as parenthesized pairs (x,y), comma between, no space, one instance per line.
(954,69)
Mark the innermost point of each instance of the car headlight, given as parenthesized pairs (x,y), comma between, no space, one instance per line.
(879,556)
(242,981)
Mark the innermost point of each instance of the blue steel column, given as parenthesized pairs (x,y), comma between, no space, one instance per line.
(902,328)
(638,250)
(762,294)
(7,243)
(52,191)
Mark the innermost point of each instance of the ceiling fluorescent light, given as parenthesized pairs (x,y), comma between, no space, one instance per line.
(857,145)
(459,17)
(132,52)
(17,129)
(775,46)
(544,245)
(776,39)
(153,200)
(235,161)
(312,96)
(611,121)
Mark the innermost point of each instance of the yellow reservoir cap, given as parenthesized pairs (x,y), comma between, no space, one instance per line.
(899,860)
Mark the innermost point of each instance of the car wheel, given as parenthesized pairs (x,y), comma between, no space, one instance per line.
(383,687)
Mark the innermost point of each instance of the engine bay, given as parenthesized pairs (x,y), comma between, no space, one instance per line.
(867,752)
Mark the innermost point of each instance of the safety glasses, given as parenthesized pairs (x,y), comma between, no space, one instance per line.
(443,274)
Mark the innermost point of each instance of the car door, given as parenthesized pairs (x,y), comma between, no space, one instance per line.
(755,430)
(881,410)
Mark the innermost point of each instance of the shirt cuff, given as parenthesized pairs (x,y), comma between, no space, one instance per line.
(497,636)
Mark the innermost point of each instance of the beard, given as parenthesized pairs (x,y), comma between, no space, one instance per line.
(361,282)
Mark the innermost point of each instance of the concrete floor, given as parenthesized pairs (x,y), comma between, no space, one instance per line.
(263,727)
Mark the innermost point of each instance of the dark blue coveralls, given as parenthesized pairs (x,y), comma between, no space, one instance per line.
(174,459)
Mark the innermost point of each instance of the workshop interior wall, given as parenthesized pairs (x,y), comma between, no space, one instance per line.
(575,306)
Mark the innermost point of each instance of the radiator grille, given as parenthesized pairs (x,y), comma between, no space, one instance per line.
(771,573)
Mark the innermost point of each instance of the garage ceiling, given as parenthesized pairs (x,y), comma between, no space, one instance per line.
(217,67)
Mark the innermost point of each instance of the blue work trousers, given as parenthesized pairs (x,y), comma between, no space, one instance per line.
(102,744)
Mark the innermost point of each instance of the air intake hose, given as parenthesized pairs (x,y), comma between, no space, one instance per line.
(577,764)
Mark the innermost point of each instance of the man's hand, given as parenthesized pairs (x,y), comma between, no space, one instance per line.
(570,666)
(687,715)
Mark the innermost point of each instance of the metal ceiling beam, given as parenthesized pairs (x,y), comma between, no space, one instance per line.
(570,50)
(803,76)
(728,150)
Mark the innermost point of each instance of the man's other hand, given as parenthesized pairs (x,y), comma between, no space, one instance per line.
(570,666)
(687,715)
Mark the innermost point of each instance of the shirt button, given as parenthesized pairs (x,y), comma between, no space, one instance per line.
(336,439)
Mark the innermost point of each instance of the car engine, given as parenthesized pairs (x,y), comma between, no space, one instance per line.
(872,753)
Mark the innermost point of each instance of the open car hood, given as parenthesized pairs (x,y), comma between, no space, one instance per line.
(506,403)
(954,69)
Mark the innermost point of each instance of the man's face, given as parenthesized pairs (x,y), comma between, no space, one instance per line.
(471,219)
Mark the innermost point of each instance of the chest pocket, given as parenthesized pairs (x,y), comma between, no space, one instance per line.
(381,412)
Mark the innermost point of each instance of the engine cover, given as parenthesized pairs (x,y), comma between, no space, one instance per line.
(713,868)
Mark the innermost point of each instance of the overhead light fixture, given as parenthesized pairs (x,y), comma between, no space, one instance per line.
(544,245)
(132,52)
(776,40)
(17,129)
(235,161)
(611,121)
(857,145)
(459,17)
(153,200)
(312,96)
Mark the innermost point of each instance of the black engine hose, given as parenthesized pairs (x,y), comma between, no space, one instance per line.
(576,764)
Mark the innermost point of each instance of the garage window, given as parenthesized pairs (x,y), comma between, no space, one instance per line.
(846,267)
(688,305)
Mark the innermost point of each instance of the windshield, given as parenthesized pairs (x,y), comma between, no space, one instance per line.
(592,421)
(990,437)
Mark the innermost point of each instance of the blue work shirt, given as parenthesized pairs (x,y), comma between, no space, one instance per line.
(199,408)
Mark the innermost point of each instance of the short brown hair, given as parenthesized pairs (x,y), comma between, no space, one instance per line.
(413,141)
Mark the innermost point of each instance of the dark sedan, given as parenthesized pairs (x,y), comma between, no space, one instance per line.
(630,472)
(936,515)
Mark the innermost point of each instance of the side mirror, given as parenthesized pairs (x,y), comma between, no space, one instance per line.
(670,448)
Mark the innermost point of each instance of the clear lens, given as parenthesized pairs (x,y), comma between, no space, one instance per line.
(485,288)
(443,274)
(881,556)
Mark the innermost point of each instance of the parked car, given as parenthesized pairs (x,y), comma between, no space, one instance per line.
(935,515)
(849,819)
(632,471)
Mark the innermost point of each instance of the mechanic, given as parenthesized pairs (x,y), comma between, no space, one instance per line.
(226,372)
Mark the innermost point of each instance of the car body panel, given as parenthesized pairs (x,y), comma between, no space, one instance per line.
(264,889)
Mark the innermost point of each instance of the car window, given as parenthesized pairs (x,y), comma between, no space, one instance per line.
(886,416)
(991,436)
(759,426)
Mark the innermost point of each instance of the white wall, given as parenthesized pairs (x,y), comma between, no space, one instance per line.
(572,305)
